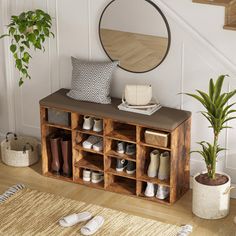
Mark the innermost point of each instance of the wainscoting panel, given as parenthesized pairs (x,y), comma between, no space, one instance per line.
(192,60)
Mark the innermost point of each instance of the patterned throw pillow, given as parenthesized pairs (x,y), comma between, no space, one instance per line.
(91,81)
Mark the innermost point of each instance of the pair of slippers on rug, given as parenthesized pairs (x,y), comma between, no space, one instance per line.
(90,228)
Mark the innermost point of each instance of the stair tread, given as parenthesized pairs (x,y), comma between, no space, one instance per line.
(231,26)
(215,2)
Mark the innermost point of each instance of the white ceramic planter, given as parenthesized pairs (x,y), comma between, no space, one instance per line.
(211,202)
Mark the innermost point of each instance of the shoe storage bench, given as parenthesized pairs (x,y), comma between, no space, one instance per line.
(119,126)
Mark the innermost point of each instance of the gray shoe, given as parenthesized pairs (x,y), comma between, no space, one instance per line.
(164,169)
(121,165)
(130,149)
(131,168)
(121,147)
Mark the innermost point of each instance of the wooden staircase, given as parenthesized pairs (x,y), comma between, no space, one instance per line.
(230,11)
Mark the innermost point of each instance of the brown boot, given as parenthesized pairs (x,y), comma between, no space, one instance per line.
(67,156)
(56,154)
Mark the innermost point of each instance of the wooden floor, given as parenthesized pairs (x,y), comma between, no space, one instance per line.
(180,213)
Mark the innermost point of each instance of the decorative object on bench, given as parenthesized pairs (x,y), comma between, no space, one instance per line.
(19,151)
(137,95)
(26,31)
(141,43)
(211,190)
(58,207)
(129,129)
(138,99)
(91,81)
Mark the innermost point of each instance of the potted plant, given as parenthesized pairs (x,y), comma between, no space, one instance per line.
(28,30)
(211,190)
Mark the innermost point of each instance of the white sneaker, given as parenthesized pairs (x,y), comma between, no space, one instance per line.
(86,175)
(162,192)
(88,143)
(98,125)
(150,190)
(98,146)
(97,177)
(88,123)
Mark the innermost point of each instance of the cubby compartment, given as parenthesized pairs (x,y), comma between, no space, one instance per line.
(144,160)
(120,184)
(155,138)
(89,130)
(82,137)
(58,118)
(112,150)
(111,164)
(120,131)
(141,188)
(80,179)
(59,152)
(90,161)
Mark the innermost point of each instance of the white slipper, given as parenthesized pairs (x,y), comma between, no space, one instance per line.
(73,219)
(92,226)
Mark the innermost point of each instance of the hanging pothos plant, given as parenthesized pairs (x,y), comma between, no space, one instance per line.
(26,31)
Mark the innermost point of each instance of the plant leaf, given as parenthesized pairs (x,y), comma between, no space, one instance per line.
(13,48)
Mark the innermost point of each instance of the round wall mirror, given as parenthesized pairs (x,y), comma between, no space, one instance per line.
(136,33)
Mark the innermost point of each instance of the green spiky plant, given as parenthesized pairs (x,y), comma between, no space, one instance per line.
(28,30)
(218,113)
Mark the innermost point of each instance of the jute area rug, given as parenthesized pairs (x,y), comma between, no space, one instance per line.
(26,212)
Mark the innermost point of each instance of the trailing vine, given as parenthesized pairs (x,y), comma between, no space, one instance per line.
(26,31)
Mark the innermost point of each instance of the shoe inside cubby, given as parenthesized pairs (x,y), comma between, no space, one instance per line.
(120,184)
(121,167)
(90,125)
(84,141)
(117,149)
(150,162)
(59,152)
(57,118)
(153,192)
(155,138)
(120,131)
(86,178)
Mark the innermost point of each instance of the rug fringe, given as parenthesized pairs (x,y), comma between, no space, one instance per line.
(185,230)
(10,192)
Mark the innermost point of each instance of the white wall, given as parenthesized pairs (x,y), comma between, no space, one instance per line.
(200,49)
(4,121)
(135,16)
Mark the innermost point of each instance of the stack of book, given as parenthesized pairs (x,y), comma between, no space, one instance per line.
(145,110)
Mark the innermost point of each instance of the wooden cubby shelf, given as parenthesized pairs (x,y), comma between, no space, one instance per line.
(121,174)
(119,126)
(79,147)
(58,126)
(89,132)
(112,153)
(92,162)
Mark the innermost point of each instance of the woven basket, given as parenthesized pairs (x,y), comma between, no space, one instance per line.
(20,151)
